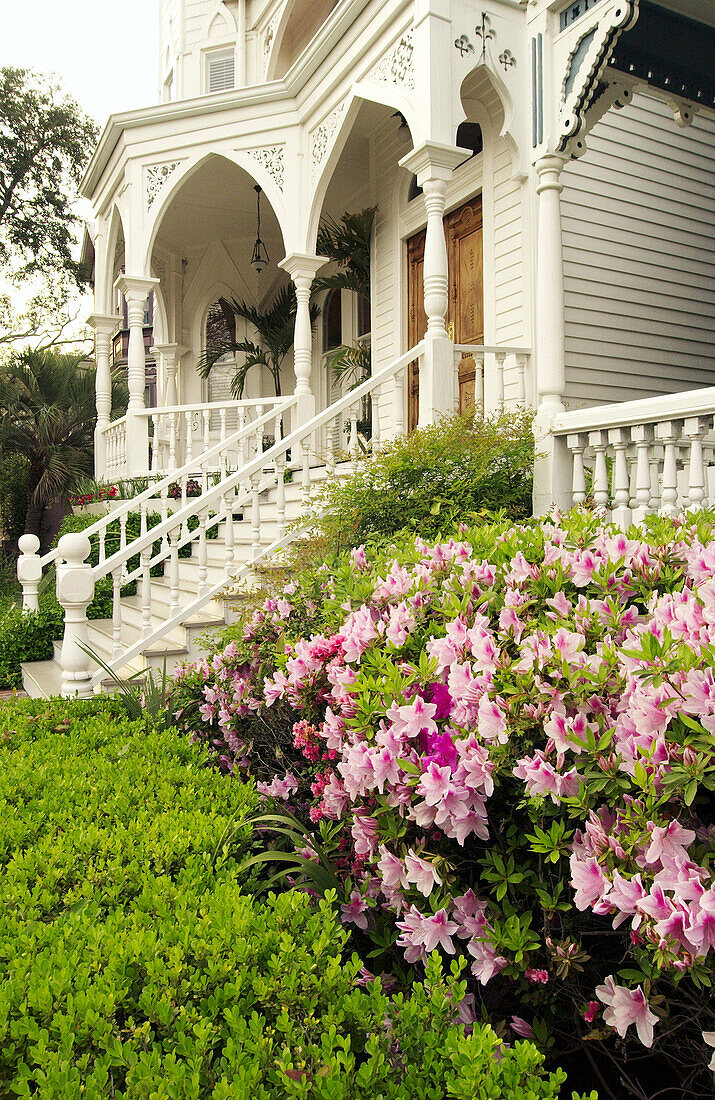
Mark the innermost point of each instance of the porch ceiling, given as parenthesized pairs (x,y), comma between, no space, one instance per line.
(218,203)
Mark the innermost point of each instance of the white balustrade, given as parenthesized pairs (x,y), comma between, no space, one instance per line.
(501,374)
(643,457)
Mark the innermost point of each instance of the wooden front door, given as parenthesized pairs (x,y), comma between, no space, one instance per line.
(416,321)
(465,309)
(465,312)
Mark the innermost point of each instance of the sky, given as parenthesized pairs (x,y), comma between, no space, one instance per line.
(105,53)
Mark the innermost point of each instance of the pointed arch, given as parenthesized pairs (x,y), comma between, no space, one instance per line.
(294,30)
(485,98)
(359,94)
(219,21)
(189,167)
(115,233)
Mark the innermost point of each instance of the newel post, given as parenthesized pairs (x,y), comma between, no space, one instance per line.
(75,591)
(29,571)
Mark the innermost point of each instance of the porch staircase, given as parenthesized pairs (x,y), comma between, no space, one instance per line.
(182,642)
(252,511)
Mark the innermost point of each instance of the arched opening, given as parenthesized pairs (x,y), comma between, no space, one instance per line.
(202,252)
(302,21)
(469,136)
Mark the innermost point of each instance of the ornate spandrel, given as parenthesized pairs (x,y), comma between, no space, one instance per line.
(272,158)
(321,138)
(155,176)
(397,65)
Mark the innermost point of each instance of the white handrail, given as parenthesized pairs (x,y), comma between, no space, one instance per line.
(492,349)
(176,475)
(650,410)
(244,403)
(212,496)
(255,466)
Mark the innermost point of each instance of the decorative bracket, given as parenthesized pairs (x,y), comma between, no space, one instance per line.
(586,62)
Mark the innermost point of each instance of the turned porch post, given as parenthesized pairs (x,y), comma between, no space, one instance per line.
(136,291)
(433,164)
(170,357)
(302,269)
(552,467)
(104,327)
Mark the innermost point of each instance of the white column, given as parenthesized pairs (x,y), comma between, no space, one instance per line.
(552,467)
(302,269)
(433,164)
(136,291)
(104,326)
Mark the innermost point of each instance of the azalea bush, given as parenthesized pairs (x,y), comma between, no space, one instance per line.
(503,747)
(135,965)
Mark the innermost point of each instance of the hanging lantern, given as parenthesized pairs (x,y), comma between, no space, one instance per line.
(259,259)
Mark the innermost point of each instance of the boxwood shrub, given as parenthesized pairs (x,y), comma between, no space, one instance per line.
(134,966)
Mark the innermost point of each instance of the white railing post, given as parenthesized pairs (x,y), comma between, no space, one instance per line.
(619,439)
(75,591)
(696,427)
(104,326)
(669,432)
(136,291)
(642,436)
(29,571)
(302,268)
(599,442)
(577,445)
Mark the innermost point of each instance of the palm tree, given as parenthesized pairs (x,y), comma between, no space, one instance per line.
(47,415)
(275,327)
(347,241)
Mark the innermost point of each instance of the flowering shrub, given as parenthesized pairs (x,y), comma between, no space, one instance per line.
(95,496)
(507,739)
(193,489)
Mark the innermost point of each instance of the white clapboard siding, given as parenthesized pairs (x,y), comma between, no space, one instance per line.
(639,257)
(508,260)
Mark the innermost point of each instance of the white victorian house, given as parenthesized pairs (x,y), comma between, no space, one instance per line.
(542,173)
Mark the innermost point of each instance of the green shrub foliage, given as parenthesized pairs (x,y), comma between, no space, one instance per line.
(430,479)
(134,966)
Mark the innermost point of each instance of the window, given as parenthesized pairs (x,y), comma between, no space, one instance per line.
(220,71)
(363,316)
(332,321)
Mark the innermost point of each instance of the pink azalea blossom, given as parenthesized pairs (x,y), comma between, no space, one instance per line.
(625,1007)
(521,1027)
(421,873)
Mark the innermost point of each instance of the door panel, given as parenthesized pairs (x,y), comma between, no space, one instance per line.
(465,309)
(416,322)
(466,292)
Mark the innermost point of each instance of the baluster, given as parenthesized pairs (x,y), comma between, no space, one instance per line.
(229,538)
(155,421)
(353,445)
(521,379)
(669,432)
(599,442)
(259,431)
(102,544)
(206,416)
(305,479)
(642,436)
(255,516)
(222,427)
(146,592)
(164,509)
(619,439)
(189,448)
(143,508)
(479,371)
(117,614)
(577,445)
(500,357)
(243,442)
(333,435)
(172,441)
(123,533)
(174,571)
(696,427)
(376,433)
(398,402)
(203,554)
(280,464)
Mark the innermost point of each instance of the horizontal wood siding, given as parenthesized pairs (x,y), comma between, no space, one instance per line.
(639,252)
(510,296)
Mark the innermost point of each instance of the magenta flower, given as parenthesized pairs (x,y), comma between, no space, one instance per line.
(355,911)
(588,880)
(521,1027)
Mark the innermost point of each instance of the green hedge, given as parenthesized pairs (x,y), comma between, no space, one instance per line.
(134,968)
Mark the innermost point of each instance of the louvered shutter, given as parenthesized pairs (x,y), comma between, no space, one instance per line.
(221,73)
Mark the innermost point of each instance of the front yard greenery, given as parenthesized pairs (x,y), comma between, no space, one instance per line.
(135,965)
(500,745)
